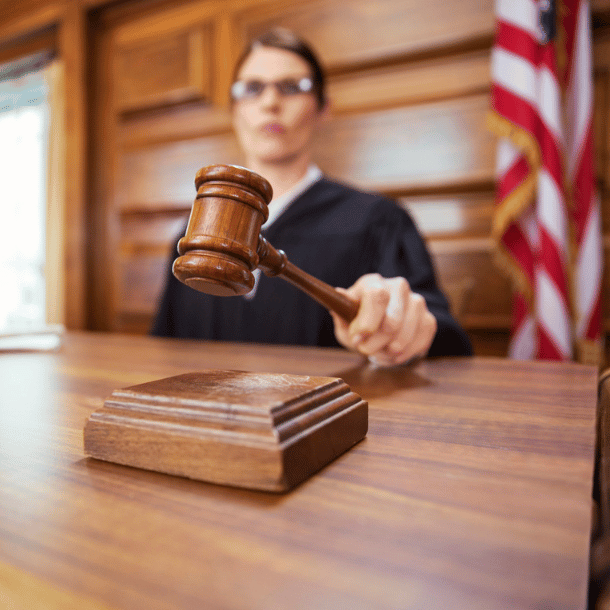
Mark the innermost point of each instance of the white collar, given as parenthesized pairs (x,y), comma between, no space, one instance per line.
(280,204)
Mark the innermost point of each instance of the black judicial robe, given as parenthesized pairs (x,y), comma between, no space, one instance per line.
(337,234)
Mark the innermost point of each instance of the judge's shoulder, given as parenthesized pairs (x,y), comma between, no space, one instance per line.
(338,202)
(329,192)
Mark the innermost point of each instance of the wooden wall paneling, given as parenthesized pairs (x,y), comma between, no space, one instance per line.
(372,89)
(184,122)
(389,146)
(605,210)
(606,285)
(143,271)
(45,39)
(73,52)
(411,147)
(165,70)
(154,196)
(411,82)
(144,252)
(147,60)
(601,125)
(226,55)
(601,59)
(468,266)
(195,120)
(143,276)
(359,32)
(601,100)
(103,223)
(132,323)
(490,342)
(164,96)
(457,228)
(132,21)
(454,214)
(152,230)
(22,20)
(163,176)
(600,6)
(55,246)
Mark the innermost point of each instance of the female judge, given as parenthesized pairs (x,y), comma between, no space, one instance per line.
(362,243)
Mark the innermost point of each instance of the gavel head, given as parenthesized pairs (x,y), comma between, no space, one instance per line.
(219,250)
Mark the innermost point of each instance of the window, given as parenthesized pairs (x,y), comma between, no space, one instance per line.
(24,127)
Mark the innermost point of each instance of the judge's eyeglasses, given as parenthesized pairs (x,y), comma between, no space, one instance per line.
(252,89)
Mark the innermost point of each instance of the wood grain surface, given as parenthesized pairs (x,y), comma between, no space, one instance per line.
(471,490)
(265,431)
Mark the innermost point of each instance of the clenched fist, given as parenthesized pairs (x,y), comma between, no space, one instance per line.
(393,324)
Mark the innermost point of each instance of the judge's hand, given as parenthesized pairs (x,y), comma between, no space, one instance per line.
(393,324)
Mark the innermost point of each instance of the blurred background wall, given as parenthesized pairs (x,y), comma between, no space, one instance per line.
(140,105)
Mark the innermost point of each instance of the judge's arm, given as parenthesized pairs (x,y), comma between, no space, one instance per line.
(393,324)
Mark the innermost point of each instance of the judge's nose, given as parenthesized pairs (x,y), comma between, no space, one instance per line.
(270,97)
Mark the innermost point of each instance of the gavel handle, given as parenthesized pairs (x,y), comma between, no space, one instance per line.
(275,263)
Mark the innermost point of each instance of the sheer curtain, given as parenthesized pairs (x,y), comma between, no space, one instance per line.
(24,135)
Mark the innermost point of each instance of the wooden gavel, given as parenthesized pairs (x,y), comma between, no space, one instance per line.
(223,244)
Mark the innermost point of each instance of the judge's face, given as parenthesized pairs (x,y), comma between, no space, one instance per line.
(275,124)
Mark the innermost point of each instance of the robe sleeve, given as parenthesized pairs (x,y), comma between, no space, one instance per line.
(401,251)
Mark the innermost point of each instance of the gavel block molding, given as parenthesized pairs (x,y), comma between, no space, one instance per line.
(260,431)
(256,430)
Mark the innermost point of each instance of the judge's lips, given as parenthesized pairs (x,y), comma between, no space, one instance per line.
(274,128)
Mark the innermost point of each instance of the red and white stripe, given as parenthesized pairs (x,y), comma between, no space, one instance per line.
(532,223)
(585,206)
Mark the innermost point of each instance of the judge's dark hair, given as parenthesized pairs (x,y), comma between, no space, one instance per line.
(281,38)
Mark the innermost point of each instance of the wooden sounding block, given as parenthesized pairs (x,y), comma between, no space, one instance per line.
(260,431)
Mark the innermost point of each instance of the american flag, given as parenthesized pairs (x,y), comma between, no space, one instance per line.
(547,219)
